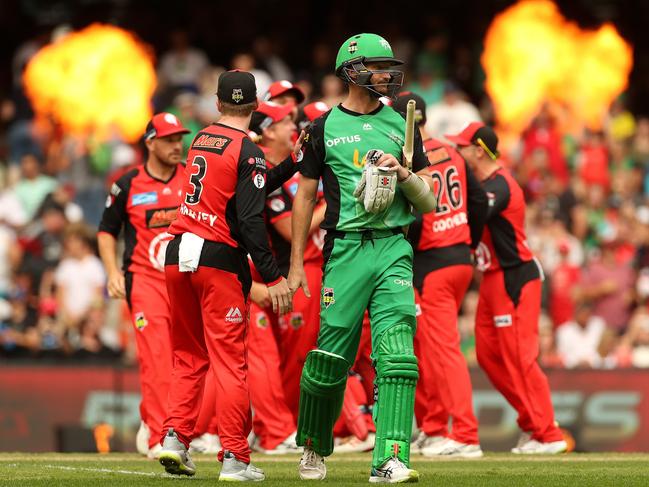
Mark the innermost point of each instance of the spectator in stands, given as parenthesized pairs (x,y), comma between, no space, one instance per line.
(608,286)
(451,114)
(333,90)
(33,186)
(578,340)
(563,280)
(246,62)
(265,51)
(181,66)
(80,277)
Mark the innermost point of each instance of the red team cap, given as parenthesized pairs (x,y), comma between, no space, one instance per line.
(164,124)
(268,113)
(477,133)
(284,87)
(315,109)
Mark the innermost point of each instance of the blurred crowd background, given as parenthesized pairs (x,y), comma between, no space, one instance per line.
(587,190)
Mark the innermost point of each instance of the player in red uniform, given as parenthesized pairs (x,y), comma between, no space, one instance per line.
(144,202)
(506,329)
(273,423)
(219,222)
(443,241)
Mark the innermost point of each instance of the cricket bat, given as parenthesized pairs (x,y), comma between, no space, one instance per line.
(409,143)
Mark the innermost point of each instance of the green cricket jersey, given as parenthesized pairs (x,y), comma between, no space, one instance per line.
(335,150)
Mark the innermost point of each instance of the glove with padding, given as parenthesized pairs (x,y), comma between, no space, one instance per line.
(380,185)
(372,156)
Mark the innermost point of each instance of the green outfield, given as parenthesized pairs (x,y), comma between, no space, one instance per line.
(574,470)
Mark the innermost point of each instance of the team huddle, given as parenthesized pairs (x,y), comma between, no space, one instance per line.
(225,259)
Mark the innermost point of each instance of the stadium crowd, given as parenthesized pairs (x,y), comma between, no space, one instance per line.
(588,211)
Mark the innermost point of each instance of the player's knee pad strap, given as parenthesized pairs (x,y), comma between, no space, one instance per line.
(396,378)
(322,389)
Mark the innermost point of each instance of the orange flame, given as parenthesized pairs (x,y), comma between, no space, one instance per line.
(533,55)
(97,80)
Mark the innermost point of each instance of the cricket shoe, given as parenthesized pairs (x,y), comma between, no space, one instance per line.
(393,471)
(427,445)
(286,446)
(237,471)
(524,437)
(207,444)
(534,447)
(353,444)
(454,449)
(142,439)
(312,466)
(175,457)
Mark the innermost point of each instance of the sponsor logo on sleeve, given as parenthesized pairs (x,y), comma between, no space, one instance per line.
(115,190)
(211,143)
(258,179)
(148,198)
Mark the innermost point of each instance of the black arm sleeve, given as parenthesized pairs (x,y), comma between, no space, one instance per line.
(250,203)
(279,174)
(477,206)
(419,158)
(312,163)
(115,215)
(498,195)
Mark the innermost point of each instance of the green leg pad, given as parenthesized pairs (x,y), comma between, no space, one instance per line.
(322,389)
(396,379)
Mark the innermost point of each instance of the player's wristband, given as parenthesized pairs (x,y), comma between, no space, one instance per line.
(418,193)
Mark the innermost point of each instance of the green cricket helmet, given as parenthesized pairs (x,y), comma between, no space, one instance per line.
(362,49)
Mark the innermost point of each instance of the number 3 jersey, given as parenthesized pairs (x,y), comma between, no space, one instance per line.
(224,195)
(445,236)
(145,206)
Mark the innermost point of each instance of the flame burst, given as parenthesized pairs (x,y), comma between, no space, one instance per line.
(97,80)
(534,55)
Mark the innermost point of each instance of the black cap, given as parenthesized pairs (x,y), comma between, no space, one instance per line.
(237,87)
(400,104)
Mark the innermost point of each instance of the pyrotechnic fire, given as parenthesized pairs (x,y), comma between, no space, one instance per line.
(97,80)
(534,55)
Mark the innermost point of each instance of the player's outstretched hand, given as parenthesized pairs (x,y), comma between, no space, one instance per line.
(297,280)
(116,285)
(281,296)
(297,148)
(259,295)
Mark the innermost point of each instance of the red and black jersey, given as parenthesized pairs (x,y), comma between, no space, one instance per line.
(145,207)
(445,236)
(224,192)
(504,243)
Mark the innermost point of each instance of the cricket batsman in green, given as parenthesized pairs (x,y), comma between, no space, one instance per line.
(358,148)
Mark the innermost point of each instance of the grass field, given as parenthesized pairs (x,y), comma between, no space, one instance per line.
(574,470)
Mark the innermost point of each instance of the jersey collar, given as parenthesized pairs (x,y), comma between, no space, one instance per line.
(146,169)
(356,114)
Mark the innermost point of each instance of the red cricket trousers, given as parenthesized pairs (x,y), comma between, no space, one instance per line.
(298,335)
(272,419)
(209,326)
(507,347)
(149,305)
(444,388)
